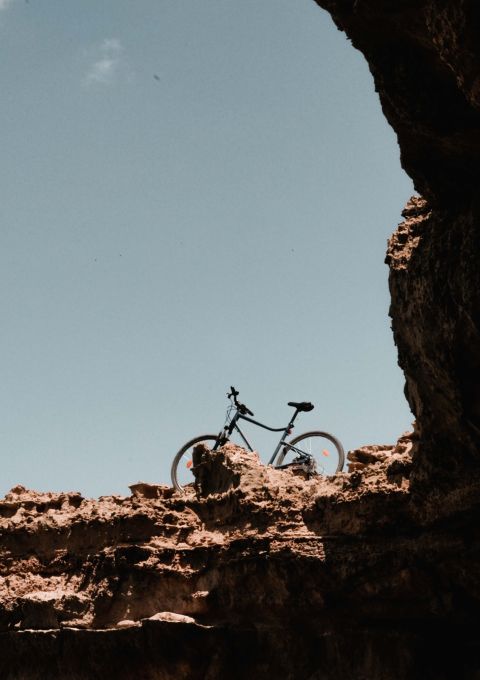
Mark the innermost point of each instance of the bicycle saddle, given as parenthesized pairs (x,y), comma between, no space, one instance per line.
(302,406)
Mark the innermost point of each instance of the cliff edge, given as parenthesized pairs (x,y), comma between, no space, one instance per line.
(253,573)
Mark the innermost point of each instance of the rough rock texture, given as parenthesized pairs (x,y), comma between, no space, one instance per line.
(435,282)
(273,576)
(366,456)
(425,60)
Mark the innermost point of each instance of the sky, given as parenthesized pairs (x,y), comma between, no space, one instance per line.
(193,195)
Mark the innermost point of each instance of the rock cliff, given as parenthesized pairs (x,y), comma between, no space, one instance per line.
(424,57)
(253,573)
(258,572)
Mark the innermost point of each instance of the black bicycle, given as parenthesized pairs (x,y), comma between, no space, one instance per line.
(314,452)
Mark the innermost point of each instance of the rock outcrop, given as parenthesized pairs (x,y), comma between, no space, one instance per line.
(275,575)
(425,60)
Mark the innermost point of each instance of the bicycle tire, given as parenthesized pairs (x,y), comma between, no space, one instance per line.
(179,481)
(328,464)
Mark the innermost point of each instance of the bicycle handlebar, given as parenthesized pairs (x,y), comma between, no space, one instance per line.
(241,407)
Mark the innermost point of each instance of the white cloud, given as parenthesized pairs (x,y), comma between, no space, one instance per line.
(106,64)
(5,3)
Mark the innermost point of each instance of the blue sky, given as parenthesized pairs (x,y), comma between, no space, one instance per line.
(193,195)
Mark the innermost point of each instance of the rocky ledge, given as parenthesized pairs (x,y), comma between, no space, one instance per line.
(254,572)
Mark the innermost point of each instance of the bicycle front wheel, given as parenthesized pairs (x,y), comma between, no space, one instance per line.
(181,471)
(324,448)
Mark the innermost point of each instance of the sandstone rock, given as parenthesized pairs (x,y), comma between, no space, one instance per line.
(374,454)
(144,490)
(244,563)
(319,564)
(172,617)
(37,612)
(425,61)
(128,623)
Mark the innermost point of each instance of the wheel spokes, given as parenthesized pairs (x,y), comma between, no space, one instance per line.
(317,447)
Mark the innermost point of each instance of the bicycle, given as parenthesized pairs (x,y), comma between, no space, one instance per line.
(306,451)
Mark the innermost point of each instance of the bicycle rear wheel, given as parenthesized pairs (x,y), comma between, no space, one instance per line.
(181,470)
(325,449)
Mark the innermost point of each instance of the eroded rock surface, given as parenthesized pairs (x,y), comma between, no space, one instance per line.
(270,575)
(425,60)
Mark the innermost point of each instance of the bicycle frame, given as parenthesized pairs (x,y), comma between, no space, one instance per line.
(306,457)
(228,430)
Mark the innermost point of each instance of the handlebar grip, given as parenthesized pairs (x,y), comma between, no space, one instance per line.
(241,407)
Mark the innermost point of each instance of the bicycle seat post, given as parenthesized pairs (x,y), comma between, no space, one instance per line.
(286,432)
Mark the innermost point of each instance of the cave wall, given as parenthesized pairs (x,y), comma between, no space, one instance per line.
(424,57)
